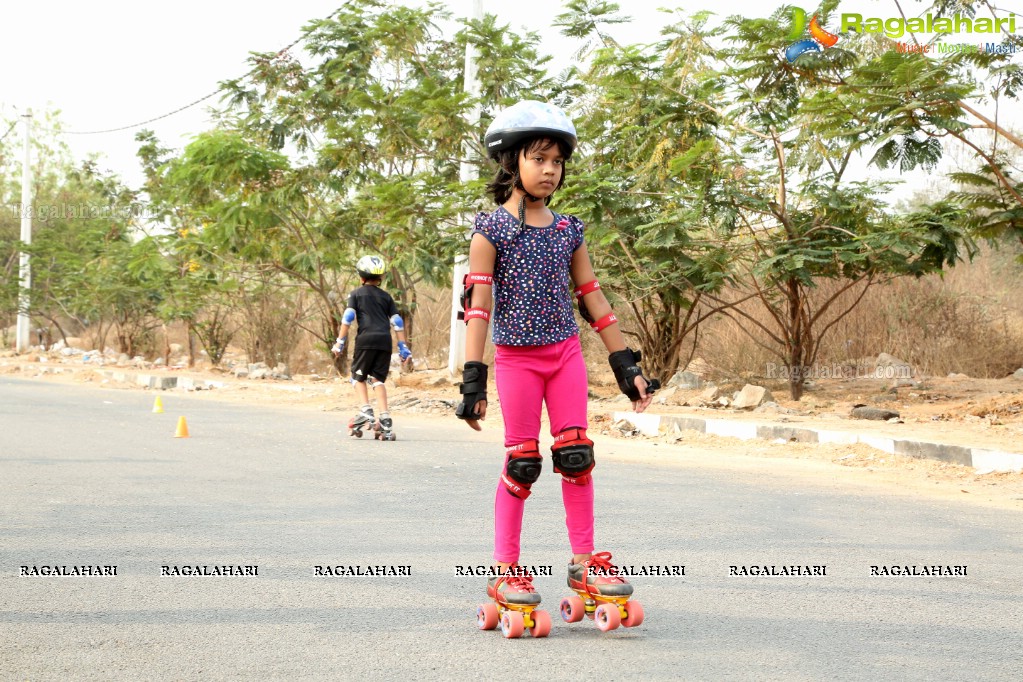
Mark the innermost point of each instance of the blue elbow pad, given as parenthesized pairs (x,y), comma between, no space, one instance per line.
(349,316)
(397,322)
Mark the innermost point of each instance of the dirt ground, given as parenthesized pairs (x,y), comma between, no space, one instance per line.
(983,413)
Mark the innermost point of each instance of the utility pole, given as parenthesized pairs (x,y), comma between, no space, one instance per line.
(25,270)
(471,86)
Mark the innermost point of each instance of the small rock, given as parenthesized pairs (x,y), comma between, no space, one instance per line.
(710,394)
(890,367)
(1018,374)
(773,408)
(663,395)
(874,413)
(685,380)
(626,427)
(752,396)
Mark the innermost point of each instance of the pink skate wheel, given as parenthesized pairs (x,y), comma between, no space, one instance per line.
(512,625)
(572,609)
(607,617)
(633,614)
(541,624)
(487,616)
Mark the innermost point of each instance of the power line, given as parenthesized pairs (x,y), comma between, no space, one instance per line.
(142,123)
(303,36)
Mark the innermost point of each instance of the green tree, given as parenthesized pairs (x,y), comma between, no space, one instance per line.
(647,153)
(373,122)
(906,107)
(799,218)
(84,237)
(706,160)
(352,149)
(52,200)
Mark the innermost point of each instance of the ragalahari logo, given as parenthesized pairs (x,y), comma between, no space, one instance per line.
(818,36)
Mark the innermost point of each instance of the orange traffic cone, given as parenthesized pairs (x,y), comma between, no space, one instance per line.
(182,431)
(157,406)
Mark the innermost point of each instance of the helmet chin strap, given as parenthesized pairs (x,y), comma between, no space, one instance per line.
(522,201)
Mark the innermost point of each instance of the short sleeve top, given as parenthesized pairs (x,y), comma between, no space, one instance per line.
(373,310)
(532,302)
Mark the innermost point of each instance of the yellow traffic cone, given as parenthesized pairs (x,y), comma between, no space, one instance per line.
(182,431)
(157,406)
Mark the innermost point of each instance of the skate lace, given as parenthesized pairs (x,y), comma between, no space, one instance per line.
(516,581)
(600,564)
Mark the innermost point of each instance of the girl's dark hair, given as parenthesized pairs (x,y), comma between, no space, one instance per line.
(507,176)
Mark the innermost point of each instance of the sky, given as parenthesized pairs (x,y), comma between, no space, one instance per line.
(110,64)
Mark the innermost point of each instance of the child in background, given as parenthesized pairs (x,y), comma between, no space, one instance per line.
(376,314)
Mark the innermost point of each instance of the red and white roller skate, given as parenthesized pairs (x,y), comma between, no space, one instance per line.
(514,606)
(601,594)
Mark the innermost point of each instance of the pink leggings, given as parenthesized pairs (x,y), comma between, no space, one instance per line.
(528,377)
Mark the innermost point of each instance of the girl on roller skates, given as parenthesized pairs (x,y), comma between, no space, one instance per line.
(376,313)
(523,260)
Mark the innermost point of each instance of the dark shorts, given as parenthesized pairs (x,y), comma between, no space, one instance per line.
(370,362)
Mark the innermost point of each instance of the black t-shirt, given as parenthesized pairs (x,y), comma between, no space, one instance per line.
(373,308)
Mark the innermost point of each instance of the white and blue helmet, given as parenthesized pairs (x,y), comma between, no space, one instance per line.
(528,119)
(369,267)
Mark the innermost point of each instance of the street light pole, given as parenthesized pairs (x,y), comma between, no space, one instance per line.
(471,86)
(25,270)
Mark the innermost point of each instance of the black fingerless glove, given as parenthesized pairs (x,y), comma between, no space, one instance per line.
(626,369)
(473,390)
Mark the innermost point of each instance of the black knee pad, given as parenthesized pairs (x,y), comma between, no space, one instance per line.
(572,453)
(522,468)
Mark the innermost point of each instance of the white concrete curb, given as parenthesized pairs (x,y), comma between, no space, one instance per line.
(994,460)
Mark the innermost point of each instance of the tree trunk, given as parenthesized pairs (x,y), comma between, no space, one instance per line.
(166,346)
(796,350)
(191,343)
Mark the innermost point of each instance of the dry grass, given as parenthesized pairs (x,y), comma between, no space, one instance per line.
(970,321)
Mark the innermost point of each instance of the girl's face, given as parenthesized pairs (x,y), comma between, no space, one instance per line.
(540,168)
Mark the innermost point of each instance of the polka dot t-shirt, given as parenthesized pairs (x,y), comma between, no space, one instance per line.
(532,303)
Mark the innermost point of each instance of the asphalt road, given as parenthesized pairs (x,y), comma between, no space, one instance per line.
(91,477)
